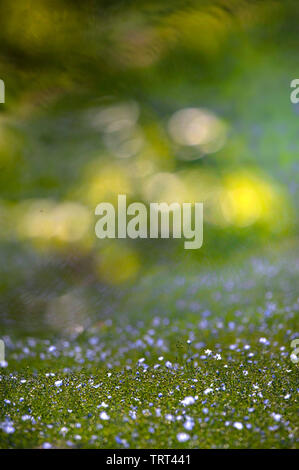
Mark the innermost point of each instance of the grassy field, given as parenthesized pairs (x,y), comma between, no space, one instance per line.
(197,360)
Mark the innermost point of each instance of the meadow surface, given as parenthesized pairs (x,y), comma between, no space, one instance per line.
(191,360)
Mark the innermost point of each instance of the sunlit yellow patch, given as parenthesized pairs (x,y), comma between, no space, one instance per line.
(117,263)
(67,221)
(247,198)
(203,30)
(104,181)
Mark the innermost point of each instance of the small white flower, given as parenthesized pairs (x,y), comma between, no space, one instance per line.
(276,417)
(188,425)
(183,437)
(103,405)
(263,340)
(208,390)
(58,383)
(188,401)
(238,425)
(46,445)
(293,358)
(8,428)
(104,416)
(218,357)
(169,417)
(26,417)
(208,352)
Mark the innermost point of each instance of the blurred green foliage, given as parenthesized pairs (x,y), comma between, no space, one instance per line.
(91,91)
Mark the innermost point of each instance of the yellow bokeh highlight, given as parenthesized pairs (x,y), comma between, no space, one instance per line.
(247,199)
(46,219)
(103,182)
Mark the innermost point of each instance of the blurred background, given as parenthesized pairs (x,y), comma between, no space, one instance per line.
(160,100)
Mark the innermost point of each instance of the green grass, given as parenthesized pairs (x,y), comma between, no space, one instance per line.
(245,379)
